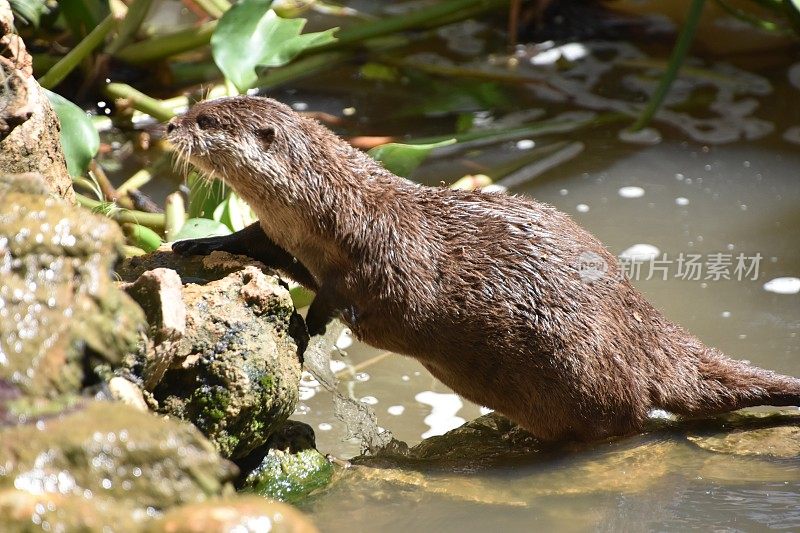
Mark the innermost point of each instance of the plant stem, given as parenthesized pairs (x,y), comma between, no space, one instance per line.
(300,68)
(137,12)
(60,70)
(154,221)
(139,101)
(135,182)
(168,45)
(675,61)
(406,21)
(210,7)
(175,215)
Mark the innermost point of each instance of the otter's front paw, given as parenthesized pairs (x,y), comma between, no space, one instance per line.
(203,246)
(316,325)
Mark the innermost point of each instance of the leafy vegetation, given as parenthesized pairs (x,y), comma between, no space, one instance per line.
(257,44)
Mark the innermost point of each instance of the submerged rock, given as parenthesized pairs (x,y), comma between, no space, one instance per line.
(105,450)
(234,371)
(60,312)
(245,514)
(753,434)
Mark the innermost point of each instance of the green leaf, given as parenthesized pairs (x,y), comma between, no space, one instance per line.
(234,213)
(29,11)
(82,16)
(403,159)
(79,138)
(194,228)
(250,34)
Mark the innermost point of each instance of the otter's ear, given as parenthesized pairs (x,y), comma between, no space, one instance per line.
(266,136)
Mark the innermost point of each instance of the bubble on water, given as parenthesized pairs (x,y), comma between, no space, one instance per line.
(324,426)
(681,200)
(644,136)
(783,285)
(405,378)
(395,410)
(582,208)
(793,73)
(679,176)
(345,340)
(726,314)
(369,400)
(362,376)
(306,393)
(563,192)
(631,192)
(525,144)
(792,135)
(337,366)
(299,106)
(443,413)
(640,252)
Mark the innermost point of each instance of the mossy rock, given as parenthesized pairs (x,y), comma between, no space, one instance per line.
(60,311)
(245,514)
(235,371)
(112,451)
(289,477)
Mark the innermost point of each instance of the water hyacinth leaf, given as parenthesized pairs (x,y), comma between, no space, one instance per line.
(195,228)
(234,213)
(79,138)
(403,159)
(250,34)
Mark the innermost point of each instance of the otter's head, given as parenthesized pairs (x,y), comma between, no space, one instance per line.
(243,140)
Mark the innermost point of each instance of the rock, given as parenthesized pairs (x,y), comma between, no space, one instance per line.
(29,128)
(60,313)
(289,477)
(160,293)
(235,371)
(246,514)
(748,433)
(24,512)
(479,443)
(123,390)
(105,450)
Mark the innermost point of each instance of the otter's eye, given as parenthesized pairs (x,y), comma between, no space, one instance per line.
(205,122)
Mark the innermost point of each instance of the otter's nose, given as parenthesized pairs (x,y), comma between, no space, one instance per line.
(171,125)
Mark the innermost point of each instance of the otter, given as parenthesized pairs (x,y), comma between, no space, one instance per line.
(485,289)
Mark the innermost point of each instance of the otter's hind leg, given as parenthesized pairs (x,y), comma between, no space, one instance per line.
(252,242)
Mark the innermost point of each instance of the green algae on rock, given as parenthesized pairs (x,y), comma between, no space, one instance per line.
(289,477)
(60,312)
(108,450)
(245,514)
(235,370)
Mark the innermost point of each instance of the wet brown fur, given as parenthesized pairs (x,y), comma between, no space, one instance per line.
(482,288)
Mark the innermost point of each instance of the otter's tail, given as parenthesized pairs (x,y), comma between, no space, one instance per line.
(719,384)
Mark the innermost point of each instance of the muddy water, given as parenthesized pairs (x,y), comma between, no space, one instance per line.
(723,203)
